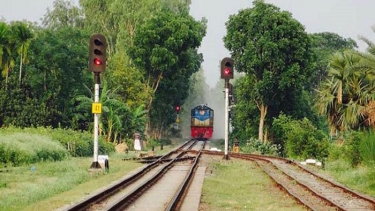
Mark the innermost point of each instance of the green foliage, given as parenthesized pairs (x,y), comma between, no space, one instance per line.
(19,108)
(346,97)
(24,148)
(273,49)
(127,80)
(165,52)
(78,144)
(342,97)
(53,65)
(305,141)
(356,149)
(245,114)
(258,147)
(165,142)
(116,118)
(351,148)
(300,139)
(153,142)
(64,14)
(68,180)
(278,131)
(53,75)
(367,148)
(324,45)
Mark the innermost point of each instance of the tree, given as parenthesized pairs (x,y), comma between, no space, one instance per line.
(64,14)
(22,35)
(272,49)
(165,48)
(7,47)
(58,71)
(127,81)
(345,97)
(324,45)
(118,19)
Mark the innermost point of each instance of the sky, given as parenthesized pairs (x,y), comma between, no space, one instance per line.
(348,18)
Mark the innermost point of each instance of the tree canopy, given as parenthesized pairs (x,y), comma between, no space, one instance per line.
(273,49)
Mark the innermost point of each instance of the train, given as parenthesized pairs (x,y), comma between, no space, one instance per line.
(202,122)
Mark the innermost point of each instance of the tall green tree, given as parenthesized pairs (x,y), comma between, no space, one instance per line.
(165,47)
(7,51)
(63,14)
(22,35)
(58,70)
(344,97)
(324,45)
(272,48)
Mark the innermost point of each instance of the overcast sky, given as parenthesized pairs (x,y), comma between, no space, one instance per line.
(348,18)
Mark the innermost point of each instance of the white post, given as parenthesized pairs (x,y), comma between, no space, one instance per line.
(226,119)
(96,126)
(95,164)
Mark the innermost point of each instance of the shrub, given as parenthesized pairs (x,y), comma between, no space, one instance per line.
(305,141)
(367,148)
(351,149)
(301,139)
(165,142)
(78,144)
(255,146)
(24,148)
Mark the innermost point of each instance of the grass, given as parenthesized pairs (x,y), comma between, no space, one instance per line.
(360,178)
(51,185)
(228,185)
(241,185)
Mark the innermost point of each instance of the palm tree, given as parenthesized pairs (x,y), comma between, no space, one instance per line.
(6,48)
(367,66)
(3,38)
(345,96)
(335,93)
(23,36)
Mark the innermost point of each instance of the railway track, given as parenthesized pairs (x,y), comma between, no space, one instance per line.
(310,189)
(174,172)
(133,192)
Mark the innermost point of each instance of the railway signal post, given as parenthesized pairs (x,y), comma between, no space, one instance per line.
(97,65)
(227,72)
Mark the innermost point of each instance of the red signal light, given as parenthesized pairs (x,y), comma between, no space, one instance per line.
(178,108)
(227,71)
(97,61)
(97,53)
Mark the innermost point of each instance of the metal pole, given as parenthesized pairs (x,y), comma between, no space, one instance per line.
(226,118)
(95,163)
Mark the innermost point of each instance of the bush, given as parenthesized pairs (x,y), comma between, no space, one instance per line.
(24,148)
(302,139)
(255,146)
(367,148)
(351,147)
(165,142)
(78,144)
